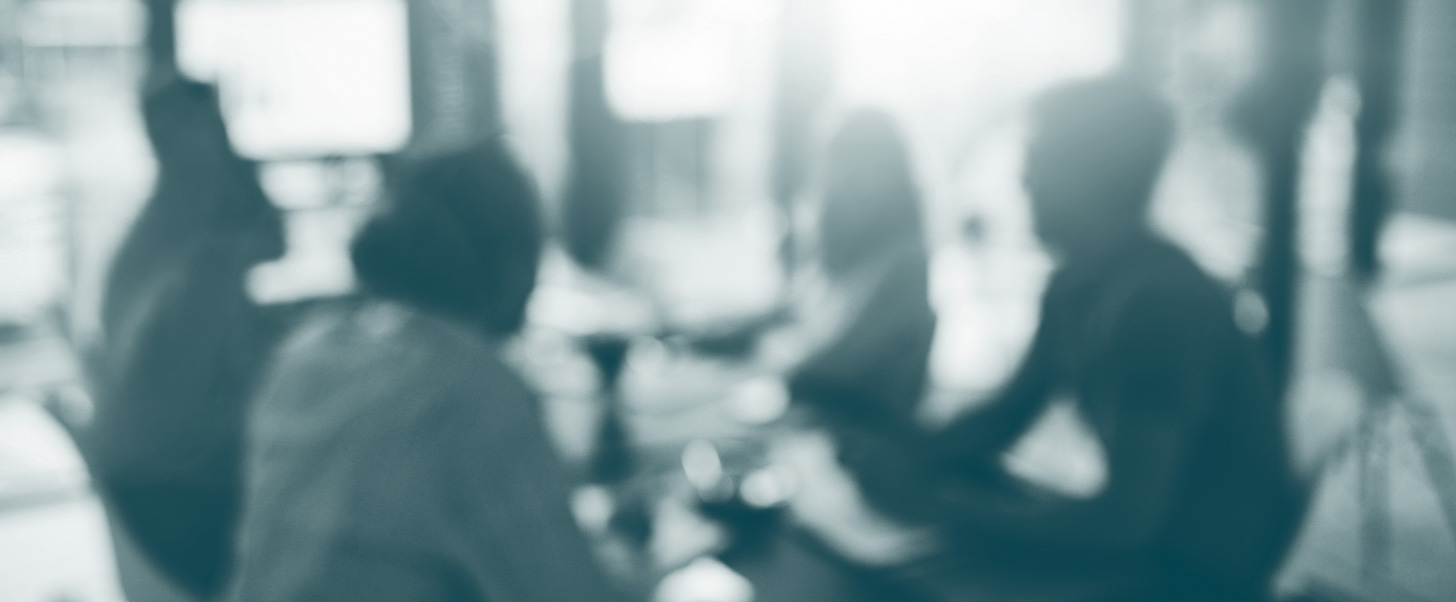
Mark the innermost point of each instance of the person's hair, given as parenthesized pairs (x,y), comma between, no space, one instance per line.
(1113,127)
(871,202)
(462,237)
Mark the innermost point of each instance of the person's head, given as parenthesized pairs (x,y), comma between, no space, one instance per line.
(871,202)
(182,118)
(203,187)
(461,238)
(1096,152)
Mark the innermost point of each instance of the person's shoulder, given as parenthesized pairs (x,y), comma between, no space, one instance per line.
(903,273)
(442,336)
(382,332)
(319,342)
(1168,275)
(354,360)
(470,371)
(909,258)
(1164,298)
(393,361)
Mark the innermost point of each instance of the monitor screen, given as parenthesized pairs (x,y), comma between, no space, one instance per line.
(303,78)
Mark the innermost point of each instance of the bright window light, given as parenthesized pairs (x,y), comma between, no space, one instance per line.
(303,78)
(894,52)
(676,59)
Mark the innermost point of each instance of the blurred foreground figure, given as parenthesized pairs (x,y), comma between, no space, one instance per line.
(392,455)
(183,343)
(1198,504)
(870,324)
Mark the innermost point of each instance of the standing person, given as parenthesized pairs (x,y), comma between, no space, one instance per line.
(392,454)
(182,343)
(1199,503)
(873,321)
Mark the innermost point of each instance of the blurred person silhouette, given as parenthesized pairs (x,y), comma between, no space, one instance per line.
(182,342)
(1199,503)
(392,454)
(875,321)
(857,329)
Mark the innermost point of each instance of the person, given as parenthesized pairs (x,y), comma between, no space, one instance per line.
(866,331)
(392,454)
(182,343)
(1199,502)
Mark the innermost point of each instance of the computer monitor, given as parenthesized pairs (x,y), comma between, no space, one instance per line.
(303,78)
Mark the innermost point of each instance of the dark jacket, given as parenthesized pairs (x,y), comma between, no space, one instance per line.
(182,344)
(1199,501)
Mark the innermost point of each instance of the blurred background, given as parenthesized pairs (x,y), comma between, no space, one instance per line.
(712,112)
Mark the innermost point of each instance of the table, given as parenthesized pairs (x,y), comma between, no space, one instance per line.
(696,421)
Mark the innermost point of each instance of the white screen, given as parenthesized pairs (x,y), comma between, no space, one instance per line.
(303,78)
(667,60)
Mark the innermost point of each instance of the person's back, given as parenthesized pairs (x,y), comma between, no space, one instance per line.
(394,457)
(1239,501)
(1153,352)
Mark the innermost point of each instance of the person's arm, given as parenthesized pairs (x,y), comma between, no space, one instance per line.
(875,368)
(991,428)
(1160,381)
(980,436)
(734,340)
(897,463)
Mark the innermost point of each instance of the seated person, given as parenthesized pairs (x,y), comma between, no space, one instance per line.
(858,326)
(1198,503)
(876,344)
(392,455)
